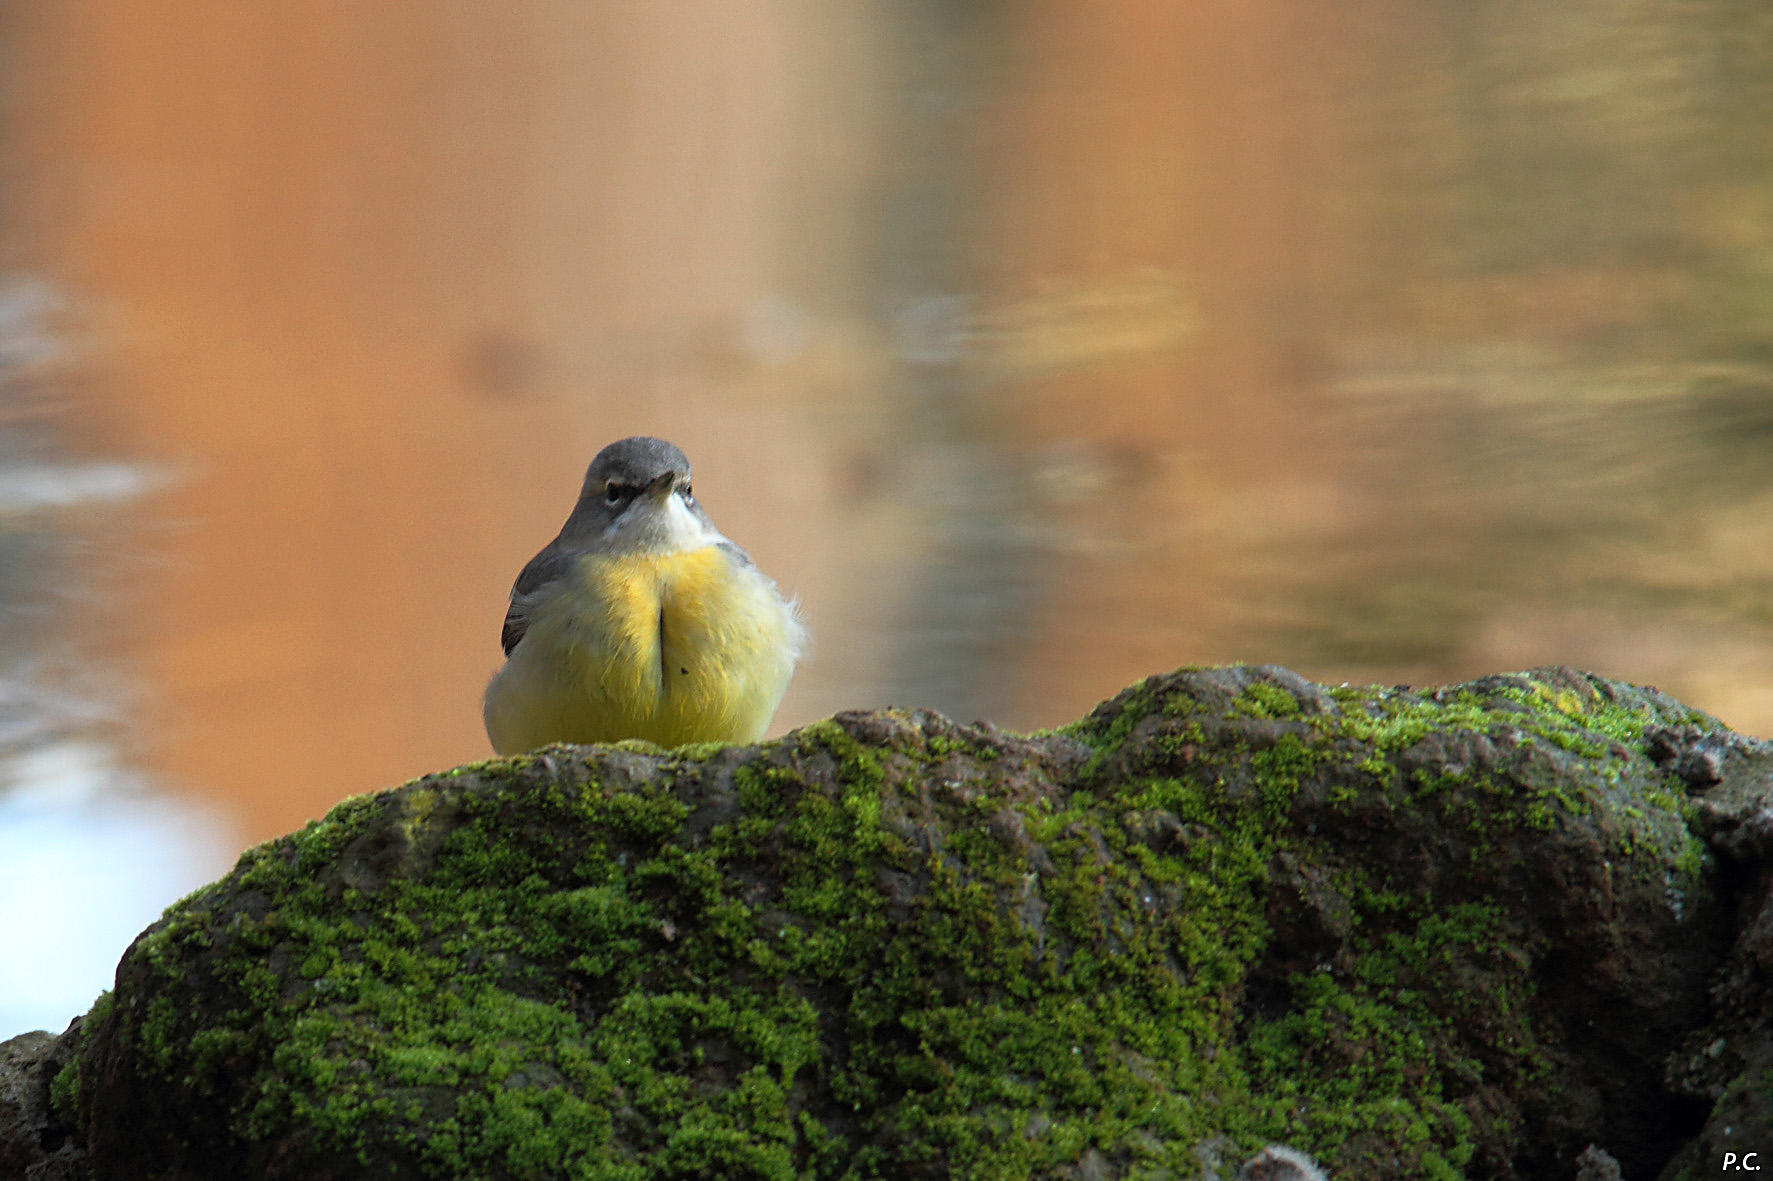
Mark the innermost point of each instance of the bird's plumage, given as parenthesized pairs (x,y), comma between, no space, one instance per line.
(639,620)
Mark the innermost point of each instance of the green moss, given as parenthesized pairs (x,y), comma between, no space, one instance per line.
(1412,983)
(64,1093)
(1266,700)
(861,945)
(1279,770)
(1110,725)
(698,752)
(859,765)
(1366,1052)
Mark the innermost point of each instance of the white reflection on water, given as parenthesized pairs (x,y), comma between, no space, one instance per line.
(87,859)
(34,487)
(88,854)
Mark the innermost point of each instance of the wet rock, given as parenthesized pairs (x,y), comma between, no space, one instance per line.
(36,1143)
(1596,1164)
(1467,931)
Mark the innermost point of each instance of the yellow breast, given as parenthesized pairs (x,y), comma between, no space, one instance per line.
(670,648)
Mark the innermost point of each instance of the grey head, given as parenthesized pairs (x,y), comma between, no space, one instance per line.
(634,463)
(637,496)
(636,499)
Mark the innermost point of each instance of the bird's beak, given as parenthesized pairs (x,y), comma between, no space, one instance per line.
(662,486)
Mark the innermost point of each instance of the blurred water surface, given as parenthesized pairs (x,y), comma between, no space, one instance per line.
(1035,347)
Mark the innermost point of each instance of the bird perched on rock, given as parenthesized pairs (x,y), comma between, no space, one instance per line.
(641,621)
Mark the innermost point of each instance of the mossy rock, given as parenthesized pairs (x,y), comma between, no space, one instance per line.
(1415,934)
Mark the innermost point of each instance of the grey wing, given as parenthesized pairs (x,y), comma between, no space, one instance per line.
(543,570)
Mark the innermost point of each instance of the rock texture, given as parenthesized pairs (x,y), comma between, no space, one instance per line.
(36,1145)
(1469,932)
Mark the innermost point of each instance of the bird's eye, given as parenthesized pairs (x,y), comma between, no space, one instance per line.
(614,493)
(687,494)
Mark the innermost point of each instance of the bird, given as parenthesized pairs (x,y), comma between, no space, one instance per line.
(640,620)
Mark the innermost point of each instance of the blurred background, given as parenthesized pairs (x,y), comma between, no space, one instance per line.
(1037,347)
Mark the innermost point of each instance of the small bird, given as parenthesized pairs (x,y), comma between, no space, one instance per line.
(641,621)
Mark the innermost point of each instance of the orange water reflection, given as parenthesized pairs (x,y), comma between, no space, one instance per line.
(1035,347)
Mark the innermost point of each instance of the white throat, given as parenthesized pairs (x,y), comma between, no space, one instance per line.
(666,528)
